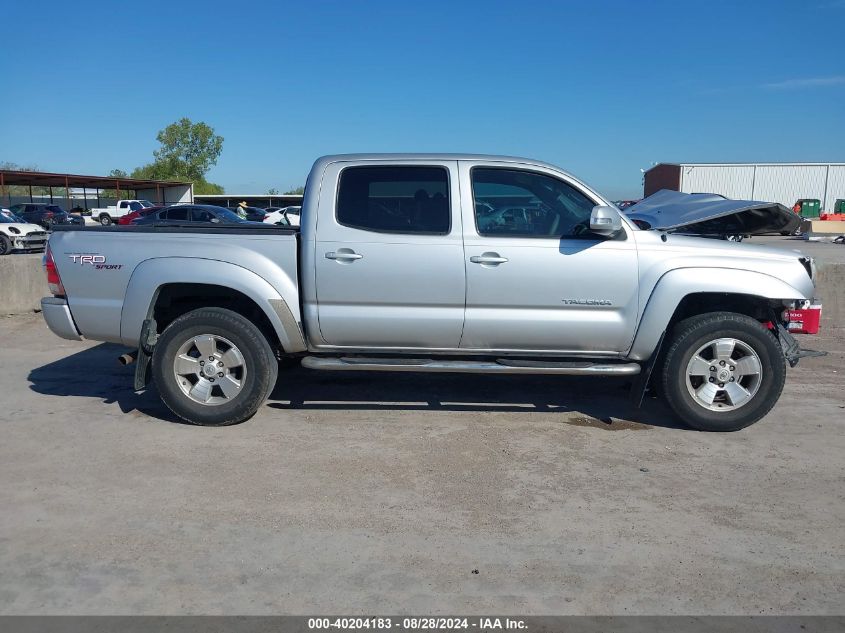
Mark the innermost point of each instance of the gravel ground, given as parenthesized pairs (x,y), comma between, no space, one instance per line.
(378,493)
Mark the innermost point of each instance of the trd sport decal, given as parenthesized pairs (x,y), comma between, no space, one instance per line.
(97,261)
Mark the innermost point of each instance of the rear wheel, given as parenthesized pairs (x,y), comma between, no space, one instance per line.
(213,367)
(105,220)
(723,371)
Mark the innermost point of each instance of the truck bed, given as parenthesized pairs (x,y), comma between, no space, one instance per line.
(193,227)
(111,273)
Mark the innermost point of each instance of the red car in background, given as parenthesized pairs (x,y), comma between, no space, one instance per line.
(140,213)
(624,204)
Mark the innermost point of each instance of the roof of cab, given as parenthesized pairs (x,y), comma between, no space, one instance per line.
(487,158)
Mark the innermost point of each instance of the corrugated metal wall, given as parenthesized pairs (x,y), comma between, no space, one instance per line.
(835,185)
(788,183)
(767,182)
(731,181)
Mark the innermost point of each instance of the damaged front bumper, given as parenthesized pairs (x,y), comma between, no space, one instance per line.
(791,349)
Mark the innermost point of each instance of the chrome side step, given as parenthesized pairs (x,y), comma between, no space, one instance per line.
(500,366)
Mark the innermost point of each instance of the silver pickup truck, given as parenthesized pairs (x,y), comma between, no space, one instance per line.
(435,263)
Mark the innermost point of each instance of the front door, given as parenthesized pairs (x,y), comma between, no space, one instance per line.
(537,279)
(389,256)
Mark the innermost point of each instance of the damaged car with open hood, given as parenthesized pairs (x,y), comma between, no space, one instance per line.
(711,215)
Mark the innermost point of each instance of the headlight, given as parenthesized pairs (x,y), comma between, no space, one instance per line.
(809,265)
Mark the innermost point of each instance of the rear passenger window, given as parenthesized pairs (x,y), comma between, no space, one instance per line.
(177,213)
(395,199)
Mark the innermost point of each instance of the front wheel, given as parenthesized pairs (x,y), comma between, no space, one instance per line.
(213,367)
(5,245)
(723,371)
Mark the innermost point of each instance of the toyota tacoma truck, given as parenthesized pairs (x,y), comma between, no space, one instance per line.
(435,263)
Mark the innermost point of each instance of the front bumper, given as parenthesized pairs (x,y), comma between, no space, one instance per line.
(58,318)
(30,242)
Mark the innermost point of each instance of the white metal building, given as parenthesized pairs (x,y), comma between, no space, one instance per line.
(769,182)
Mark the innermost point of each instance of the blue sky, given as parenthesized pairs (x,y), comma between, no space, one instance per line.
(601,88)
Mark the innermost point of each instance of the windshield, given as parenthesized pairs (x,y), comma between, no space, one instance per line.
(146,203)
(5,219)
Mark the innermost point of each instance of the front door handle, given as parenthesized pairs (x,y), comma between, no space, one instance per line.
(488,258)
(343,256)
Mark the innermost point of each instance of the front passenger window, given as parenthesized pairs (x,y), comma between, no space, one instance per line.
(519,203)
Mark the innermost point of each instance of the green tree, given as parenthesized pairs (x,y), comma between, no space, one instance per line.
(188,149)
(9,166)
(296,191)
(203,187)
(272,191)
(113,193)
(16,190)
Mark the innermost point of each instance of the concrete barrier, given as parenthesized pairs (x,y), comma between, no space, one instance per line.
(22,284)
(830,287)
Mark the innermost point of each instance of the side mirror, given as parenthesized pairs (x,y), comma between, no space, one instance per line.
(605,221)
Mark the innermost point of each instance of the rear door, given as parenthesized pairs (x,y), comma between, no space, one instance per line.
(181,213)
(389,255)
(537,279)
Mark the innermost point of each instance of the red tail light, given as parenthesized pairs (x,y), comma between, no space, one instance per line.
(48,214)
(54,282)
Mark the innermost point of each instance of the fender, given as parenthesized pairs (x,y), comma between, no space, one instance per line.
(150,275)
(676,284)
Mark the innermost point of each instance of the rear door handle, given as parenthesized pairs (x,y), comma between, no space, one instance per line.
(343,256)
(488,258)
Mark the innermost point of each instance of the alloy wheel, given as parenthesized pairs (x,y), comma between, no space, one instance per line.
(724,374)
(209,369)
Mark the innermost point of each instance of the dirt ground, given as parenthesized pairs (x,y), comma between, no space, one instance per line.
(400,493)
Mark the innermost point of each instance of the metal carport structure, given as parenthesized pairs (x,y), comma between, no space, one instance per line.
(252,199)
(159,191)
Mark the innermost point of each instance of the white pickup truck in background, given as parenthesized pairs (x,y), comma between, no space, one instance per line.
(109,215)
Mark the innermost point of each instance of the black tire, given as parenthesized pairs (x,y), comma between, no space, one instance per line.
(259,361)
(693,333)
(5,245)
(105,220)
